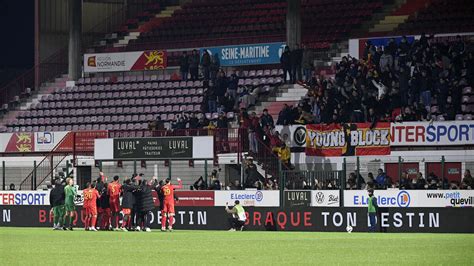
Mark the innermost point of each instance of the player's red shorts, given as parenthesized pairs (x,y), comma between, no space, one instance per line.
(114,205)
(105,211)
(91,210)
(126,211)
(168,208)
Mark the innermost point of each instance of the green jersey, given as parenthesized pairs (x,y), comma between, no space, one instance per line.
(372,207)
(71,193)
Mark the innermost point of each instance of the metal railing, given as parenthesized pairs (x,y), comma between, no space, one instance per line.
(315,180)
(45,168)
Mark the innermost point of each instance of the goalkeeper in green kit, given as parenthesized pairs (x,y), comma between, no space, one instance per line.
(70,207)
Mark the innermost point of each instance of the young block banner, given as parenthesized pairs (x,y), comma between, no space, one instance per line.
(348,139)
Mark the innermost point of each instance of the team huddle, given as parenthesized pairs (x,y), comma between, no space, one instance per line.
(102,203)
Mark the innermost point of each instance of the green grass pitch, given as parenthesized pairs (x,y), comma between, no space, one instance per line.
(35,246)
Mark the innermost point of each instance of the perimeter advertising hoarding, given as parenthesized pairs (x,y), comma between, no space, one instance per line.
(411,198)
(419,220)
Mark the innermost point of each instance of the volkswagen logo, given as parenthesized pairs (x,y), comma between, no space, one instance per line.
(320,197)
(300,136)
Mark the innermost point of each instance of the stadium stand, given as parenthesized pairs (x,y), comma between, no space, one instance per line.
(126,102)
(207,23)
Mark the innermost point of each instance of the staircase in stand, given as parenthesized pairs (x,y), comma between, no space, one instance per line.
(45,89)
(285,94)
(133,34)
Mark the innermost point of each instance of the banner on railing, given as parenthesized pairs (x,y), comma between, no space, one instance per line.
(351,139)
(125,61)
(411,198)
(447,133)
(46,141)
(247,54)
(154,148)
(450,133)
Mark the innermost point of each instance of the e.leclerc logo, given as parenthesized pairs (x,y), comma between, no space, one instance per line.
(258,196)
(403,199)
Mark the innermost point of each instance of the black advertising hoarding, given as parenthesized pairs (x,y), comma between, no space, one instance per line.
(153,148)
(294,198)
(417,220)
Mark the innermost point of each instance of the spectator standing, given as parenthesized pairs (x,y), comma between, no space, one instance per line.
(233,85)
(266,119)
(425,88)
(254,131)
(184,66)
(194,65)
(308,58)
(215,65)
(211,99)
(296,58)
(206,64)
(286,64)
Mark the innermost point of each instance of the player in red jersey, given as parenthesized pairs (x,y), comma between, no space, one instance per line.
(86,206)
(90,198)
(168,208)
(113,190)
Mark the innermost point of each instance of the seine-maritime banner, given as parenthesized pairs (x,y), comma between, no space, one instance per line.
(351,139)
(248,54)
(111,62)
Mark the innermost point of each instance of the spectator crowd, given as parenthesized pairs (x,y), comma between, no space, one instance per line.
(398,82)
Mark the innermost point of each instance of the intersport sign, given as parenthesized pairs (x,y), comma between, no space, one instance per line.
(432,134)
(411,198)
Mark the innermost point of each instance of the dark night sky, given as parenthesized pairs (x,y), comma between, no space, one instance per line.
(17,29)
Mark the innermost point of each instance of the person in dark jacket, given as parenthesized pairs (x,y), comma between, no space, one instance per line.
(127,202)
(296,57)
(215,65)
(266,119)
(184,66)
(56,199)
(159,192)
(286,63)
(206,65)
(105,205)
(134,215)
(100,187)
(194,65)
(145,204)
